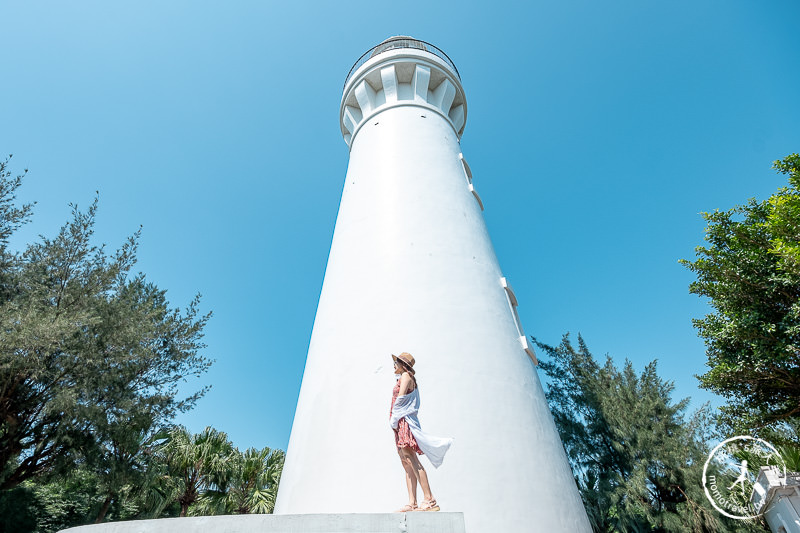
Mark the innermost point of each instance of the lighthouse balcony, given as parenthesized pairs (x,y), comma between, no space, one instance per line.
(398,72)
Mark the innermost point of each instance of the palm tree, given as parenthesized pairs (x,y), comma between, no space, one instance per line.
(250,487)
(200,462)
(121,460)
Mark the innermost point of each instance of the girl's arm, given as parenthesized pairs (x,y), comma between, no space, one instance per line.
(405,381)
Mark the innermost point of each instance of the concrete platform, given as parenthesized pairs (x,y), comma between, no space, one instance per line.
(298,523)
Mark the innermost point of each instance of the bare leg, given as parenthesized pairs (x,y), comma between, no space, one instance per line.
(411,475)
(421,475)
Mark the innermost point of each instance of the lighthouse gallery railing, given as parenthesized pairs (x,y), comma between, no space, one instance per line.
(397,43)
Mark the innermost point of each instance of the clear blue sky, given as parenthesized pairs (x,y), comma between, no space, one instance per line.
(597,133)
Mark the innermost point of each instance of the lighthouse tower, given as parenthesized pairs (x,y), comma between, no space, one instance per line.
(412,268)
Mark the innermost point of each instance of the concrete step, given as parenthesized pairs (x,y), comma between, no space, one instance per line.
(436,522)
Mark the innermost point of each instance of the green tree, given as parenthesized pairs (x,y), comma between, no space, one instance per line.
(90,355)
(46,505)
(750,271)
(19,510)
(125,465)
(783,221)
(67,500)
(11,215)
(637,461)
(249,486)
(158,493)
(198,463)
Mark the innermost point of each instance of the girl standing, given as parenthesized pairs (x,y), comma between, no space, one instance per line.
(409,437)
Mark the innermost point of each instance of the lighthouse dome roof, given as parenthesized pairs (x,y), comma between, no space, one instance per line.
(398,41)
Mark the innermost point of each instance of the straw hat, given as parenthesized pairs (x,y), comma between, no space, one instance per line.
(407,359)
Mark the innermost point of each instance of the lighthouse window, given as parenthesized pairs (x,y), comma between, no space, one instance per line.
(467,171)
(523,340)
(468,175)
(512,304)
(475,194)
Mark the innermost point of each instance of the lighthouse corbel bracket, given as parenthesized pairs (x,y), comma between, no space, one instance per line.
(402,77)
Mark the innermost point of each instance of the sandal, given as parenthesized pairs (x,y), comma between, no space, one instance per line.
(429,506)
(406,509)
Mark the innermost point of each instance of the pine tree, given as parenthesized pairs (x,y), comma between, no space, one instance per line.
(637,461)
(91,354)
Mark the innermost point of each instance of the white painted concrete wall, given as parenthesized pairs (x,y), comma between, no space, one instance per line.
(784,514)
(778,497)
(412,268)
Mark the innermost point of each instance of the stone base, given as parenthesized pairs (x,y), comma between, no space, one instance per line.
(437,522)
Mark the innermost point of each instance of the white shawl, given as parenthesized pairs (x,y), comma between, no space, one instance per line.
(407,406)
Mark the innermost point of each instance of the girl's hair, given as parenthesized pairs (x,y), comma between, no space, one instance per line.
(410,372)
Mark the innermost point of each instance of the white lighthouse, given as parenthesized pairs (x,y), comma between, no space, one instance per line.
(412,268)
